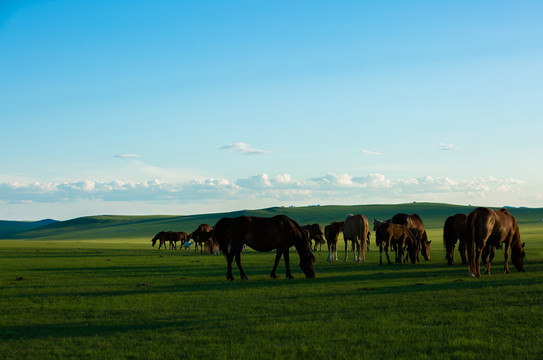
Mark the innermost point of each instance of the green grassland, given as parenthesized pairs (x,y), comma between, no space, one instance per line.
(94,288)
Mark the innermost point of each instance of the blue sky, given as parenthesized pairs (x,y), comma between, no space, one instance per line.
(183,107)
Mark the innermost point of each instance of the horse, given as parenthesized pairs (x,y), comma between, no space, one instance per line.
(453,230)
(331,233)
(355,229)
(415,225)
(202,236)
(314,232)
(263,234)
(171,236)
(490,228)
(398,237)
(377,223)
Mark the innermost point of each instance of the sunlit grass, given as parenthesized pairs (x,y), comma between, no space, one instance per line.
(123,299)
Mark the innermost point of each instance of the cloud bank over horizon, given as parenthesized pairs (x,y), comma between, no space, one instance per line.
(279,190)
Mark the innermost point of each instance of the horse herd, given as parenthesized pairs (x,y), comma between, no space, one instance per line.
(202,237)
(479,234)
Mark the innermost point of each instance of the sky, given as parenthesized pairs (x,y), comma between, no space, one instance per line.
(188,107)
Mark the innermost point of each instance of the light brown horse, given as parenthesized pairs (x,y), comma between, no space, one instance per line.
(263,234)
(415,225)
(397,237)
(356,230)
(331,233)
(454,230)
(489,228)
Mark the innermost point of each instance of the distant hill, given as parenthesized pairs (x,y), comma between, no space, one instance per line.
(8,228)
(108,227)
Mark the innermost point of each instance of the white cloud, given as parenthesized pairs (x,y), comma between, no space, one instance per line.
(368,152)
(446,147)
(243,148)
(128,156)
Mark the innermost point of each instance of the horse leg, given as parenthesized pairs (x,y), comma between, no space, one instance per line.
(277,258)
(346,250)
(357,253)
(450,254)
(490,258)
(287,264)
(363,246)
(386,253)
(506,255)
(229,258)
(238,262)
(462,251)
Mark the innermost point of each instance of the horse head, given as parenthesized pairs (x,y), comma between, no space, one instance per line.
(377,223)
(425,250)
(425,244)
(517,257)
(307,264)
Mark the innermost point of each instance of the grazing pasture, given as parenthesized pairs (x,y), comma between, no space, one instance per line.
(120,298)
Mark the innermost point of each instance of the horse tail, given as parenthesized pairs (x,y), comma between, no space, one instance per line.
(470,235)
(219,233)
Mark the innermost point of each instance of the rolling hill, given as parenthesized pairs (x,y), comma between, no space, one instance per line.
(9,228)
(107,227)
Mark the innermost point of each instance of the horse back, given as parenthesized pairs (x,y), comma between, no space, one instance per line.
(355,227)
(480,225)
(413,222)
(261,234)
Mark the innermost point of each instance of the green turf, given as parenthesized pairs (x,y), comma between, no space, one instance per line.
(119,298)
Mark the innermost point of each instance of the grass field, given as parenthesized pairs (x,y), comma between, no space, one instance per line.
(119,298)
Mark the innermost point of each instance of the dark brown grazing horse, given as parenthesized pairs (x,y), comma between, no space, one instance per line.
(263,234)
(331,233)
(454,230)
(490,228)
(415,225)
(171,236)
(398,237)
(315,233)
(203,236)
(356,229)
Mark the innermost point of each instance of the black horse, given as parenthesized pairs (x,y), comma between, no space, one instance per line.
(172,236)
(454,230)
(263,234)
